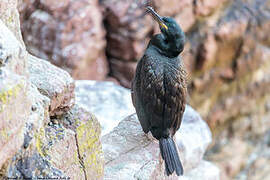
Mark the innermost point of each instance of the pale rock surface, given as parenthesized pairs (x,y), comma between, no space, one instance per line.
(130,154)
(52,82)
(10,16)
(12,52)
(109,102)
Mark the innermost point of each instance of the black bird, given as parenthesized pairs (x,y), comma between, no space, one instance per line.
(159,89)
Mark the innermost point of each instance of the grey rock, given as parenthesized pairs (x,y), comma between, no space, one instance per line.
(12,52)
(129,153)
(10,16)
(205,171)
(52,82)
(109,102)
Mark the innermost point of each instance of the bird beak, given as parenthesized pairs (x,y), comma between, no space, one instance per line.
(157,17)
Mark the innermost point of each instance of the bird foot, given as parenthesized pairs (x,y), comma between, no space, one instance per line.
(150,137)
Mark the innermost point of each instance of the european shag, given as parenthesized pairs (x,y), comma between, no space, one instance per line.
(159,89)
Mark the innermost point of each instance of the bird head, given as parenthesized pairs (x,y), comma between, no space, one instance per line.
(172,39)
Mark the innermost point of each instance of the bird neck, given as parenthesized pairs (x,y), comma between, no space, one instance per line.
(168,46)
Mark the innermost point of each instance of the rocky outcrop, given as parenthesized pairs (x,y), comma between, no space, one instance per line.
(129,153)
(70,34)
(42,133)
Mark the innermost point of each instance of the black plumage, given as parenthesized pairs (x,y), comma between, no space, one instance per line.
(159,89)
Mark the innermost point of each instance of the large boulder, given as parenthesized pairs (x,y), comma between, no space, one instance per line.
(70,34)
(129,153)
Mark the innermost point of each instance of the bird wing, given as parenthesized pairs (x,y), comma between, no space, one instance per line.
(159,94)
(136,95)
(175,99)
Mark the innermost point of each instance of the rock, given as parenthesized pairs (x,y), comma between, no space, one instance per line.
(123,71)
(70,34)
(87,134)
(100,97)
(205,170)
(12,52)
(193,150)
(10,17)
(127,30)
(257,163)
(66,146)
(41,134)
(53,83)
(14,110)
(127,150)
(129,153)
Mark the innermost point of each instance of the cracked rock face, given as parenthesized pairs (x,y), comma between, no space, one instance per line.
(14,111)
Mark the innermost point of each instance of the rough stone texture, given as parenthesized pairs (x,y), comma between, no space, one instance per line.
(10,16)
(67,33)
(127,32)
(52,82)
(87,134)
(12,52)
(130,154)
(67,146)
(14,110)
(33,144)
(100,97)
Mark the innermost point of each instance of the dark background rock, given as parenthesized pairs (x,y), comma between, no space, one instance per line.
(68,33)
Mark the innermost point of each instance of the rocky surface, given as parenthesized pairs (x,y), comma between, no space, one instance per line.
(42,135)
(100,97)
(70,34)
(129,153)
(12,52)
(13,91)
(10,16)
(52,82)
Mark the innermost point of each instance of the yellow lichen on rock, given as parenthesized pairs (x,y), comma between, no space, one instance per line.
(88,134)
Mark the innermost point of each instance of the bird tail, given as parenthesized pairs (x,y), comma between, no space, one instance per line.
(170,156)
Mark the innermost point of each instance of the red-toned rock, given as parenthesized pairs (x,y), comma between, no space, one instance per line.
(14,112)
(206,7)
(123,71)
(70,34)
